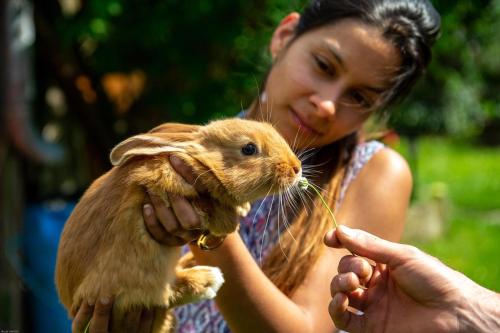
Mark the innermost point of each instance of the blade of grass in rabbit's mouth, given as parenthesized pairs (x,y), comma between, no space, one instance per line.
(304,184)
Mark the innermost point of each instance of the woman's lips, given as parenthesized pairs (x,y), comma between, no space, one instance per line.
(302,125)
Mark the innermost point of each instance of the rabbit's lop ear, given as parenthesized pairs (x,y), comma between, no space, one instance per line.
(169,128)
(143,144)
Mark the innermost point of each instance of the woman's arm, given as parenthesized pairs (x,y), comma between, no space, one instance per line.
(376,201)
(250,302)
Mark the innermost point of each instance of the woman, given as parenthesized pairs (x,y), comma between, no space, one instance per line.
(334,66)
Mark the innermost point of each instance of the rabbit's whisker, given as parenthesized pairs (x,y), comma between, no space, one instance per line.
(295,143)
(279,231)
(264,232)
(305,154)
(319,188)
(290,200)
(285,220)
(260,206)
(309,170)
(201,174)
(318,165)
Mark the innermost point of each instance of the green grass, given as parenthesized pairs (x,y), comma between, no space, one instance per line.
(472,177)
(471,246)
(471,173)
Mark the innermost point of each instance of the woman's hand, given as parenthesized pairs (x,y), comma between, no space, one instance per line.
(178,224)
(99,315)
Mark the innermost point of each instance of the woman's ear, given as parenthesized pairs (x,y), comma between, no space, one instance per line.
(283,33)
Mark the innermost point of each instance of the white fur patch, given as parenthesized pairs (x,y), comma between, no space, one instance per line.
(244,209)
(217,279)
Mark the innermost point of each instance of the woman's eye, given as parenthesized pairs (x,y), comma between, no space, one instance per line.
(359,99)
(324,66)
(249,149)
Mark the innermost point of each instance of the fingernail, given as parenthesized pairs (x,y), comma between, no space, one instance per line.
(329,237)
(148,210)
(330,233)
(347,231)
(91,302)
(337,300)
(105,300)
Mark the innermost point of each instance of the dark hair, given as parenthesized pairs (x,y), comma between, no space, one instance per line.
(411,26)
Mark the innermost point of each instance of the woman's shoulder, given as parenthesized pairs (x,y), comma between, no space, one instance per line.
(378,198)
(371,159)
(386,169)
(384,161)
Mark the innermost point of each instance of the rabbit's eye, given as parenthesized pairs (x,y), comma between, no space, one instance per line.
(249,149)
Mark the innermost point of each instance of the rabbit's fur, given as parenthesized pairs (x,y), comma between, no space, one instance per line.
(105,249)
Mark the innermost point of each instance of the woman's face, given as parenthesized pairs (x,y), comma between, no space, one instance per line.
(323,85)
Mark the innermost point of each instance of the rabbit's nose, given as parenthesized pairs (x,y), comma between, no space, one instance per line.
(296,170)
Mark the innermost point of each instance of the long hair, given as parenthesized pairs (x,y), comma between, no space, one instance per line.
(412,27)
(308,228)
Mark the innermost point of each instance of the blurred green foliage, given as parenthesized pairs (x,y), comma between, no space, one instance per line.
(206,59)
(199,60)
(202,59)
(459,95)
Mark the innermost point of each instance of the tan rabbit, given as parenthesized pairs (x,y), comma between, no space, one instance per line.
(105,249)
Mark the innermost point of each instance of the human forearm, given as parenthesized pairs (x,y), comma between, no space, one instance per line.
(480,312)
(248,300)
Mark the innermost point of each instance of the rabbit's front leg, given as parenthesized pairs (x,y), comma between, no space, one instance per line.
(195,283)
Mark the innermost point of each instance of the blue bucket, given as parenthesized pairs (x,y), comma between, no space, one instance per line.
(43,226)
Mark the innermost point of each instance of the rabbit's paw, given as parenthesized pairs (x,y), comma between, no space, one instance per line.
(196,284)
(243,209)
(213,281)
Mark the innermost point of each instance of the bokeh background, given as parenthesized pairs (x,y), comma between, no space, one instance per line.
(78,76)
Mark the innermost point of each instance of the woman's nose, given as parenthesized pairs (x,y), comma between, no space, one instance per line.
(325,107)
(325,99)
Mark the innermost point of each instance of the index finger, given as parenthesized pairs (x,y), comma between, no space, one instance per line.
(187,173)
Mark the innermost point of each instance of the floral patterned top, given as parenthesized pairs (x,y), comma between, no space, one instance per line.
(260,231)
